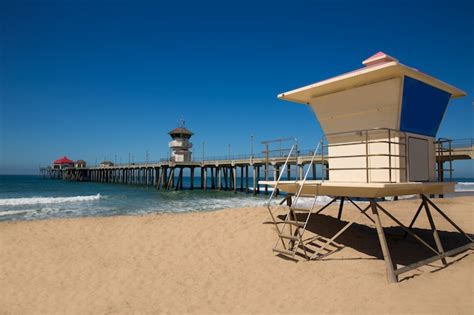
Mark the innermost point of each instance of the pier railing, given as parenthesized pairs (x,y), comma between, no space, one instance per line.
(464,144)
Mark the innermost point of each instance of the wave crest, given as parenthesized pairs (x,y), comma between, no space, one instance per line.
(465,187)
(46,200)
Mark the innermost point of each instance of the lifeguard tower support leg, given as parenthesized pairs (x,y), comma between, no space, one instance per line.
(391,276)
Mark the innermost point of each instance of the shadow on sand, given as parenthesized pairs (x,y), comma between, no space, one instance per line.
(363,238)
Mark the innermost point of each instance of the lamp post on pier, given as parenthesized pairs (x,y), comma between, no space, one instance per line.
(203,151)
(251,145)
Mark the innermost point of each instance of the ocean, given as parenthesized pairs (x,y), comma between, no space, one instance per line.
(34,198)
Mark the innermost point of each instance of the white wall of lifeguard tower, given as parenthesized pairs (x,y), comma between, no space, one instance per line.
(380,121)
(180,145)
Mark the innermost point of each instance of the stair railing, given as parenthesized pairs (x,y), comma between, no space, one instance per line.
(301,185)
(297,196)
(294,148)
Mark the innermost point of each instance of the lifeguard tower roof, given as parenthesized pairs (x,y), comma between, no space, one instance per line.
(378,67)
(382,94)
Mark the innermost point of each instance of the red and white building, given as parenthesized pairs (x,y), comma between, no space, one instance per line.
(63,163)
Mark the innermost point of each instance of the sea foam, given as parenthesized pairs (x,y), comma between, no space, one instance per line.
(465,187)
(46,200)
(14,212)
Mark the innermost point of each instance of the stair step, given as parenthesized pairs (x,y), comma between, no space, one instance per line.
(289,237)
(295,223)
(284,252)
(301,209)
(306,196)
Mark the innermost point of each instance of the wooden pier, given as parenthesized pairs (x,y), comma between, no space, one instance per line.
(231,175)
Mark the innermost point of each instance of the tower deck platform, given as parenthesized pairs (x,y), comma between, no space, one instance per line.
(362,190)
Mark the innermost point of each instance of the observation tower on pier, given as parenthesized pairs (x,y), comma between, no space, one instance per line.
(180,145)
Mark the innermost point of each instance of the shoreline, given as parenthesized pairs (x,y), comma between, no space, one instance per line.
(45,199)
(221,261)
(262,198)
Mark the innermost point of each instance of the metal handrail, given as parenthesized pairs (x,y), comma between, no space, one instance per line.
(364,155)
(466,142)
(364,168)
(307,172)
(268,204)
(278,140)
(362,142)
(365,140)
(297,196)
(440,150)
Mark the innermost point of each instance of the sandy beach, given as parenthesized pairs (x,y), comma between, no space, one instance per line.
(221,262)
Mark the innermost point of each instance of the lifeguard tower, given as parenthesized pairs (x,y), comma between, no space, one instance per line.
(180,145)
(379,124)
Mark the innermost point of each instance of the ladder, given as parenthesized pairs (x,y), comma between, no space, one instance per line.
(290,235)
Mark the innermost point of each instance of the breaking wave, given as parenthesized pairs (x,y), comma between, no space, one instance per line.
(464,186)
(46,200)
(14,212)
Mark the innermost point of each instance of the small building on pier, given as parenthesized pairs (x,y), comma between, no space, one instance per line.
(180,145)
(63,163)
(106,164)
(80,164)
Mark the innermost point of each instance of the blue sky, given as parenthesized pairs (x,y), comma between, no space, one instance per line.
(99,79)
